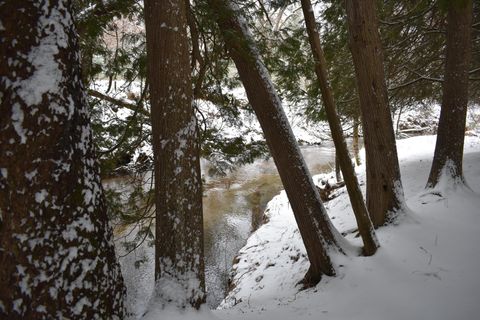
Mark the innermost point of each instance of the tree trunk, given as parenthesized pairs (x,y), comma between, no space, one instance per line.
(318,235)
(365,226)
(179,259)
(86,61)
(338,171)
(56,246)
(384,187)
(355,142)
(397,127)
(451,126)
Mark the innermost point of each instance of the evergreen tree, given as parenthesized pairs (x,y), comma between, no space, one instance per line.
(448,155)
(179,260)
(318,234)
(365,225)
(56,246)
(384,187)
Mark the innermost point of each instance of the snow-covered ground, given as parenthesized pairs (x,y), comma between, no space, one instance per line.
(427,267)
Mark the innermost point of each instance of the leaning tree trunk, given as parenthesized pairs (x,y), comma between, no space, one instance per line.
(318,235)
(384,187)
(365,226)
(179,260)
(56,246)
(451,126)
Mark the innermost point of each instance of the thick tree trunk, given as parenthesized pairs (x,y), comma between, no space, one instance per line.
(179,259)
(384,187)
(56,247)
(365,226)
(451,126)
(318,235)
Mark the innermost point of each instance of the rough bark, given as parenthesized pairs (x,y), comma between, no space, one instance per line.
(365,226)
(179,260)
(318,235)
(56,247)
(448,154)
(384,188)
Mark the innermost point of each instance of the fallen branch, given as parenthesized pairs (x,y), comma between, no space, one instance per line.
(121,103)
(326,190)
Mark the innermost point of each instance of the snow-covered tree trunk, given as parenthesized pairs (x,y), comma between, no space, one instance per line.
(384,186)
(56,247)
(318,234)
(342,156)
(179,260)
(448,155)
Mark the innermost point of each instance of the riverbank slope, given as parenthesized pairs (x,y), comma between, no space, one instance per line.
(427,267)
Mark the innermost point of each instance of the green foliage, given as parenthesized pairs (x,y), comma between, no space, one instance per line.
(117,138)
(226,154)
(97,21)
(112,41)
(413,36)
(130,206)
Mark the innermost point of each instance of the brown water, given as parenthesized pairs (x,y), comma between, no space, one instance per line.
(233,207)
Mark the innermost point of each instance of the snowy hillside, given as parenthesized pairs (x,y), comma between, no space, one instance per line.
(427,267)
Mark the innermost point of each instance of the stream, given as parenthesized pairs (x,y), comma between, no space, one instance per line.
(233,207)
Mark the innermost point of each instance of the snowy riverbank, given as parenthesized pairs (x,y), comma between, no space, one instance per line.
(427,267)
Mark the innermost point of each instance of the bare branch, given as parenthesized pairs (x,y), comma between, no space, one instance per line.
(121,103)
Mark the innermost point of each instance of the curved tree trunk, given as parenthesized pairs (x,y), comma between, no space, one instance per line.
(56,247)
(179,259)
(451,126)
(384,187)
(365,226)
(318,235)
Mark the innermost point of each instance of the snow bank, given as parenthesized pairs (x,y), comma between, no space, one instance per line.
(427,267)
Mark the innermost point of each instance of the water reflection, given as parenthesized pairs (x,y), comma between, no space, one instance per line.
(233,207)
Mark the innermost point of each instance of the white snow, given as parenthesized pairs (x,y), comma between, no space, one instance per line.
(30,175)
(17,121)
(41,195)
(47,73)
(427,266)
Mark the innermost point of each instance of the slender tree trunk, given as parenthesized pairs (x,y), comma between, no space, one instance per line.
(397,127)
(384,187)
(86,59)
(179,259)
(451,126)
(355,142)
(338,171)
(365,225)
(318,234)
(56,246)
